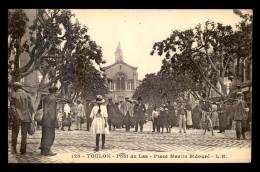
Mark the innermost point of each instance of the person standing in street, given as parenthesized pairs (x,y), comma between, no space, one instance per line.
(204,108)
(160,120)
(21,117)
(126,108)
(100,121)
(155,115)
(89,107)
(48,122)
(111,114)
(67,116)
(171,113)
(240,116)
(222,116)
(119,116)
(229,114)
(189,114)
(182,117)
(196,117)
(214,116)
(59,117)
(139,114)
(80,113)
(167,120)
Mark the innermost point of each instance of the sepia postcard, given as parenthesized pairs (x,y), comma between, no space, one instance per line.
(130,85)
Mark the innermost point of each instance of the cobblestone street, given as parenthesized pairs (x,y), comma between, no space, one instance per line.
(77,146)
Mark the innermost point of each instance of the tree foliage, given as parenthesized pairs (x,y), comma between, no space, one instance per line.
(61,50)
(203,55)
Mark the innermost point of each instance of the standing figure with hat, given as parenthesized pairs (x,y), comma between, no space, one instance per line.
(66,118)
(155,115)
(204,108)
(215,116)
(100,121)
(80,113)
(167,120)
(21,117)
(127,109)
(111,114)
(222,116)
(160,119)
(139,114)
(49,122)
(189,114)
(89,107)
(119,116)
(240,116)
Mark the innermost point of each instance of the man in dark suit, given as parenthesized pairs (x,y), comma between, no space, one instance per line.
(21,116)
(240,116)
(48,122)
(139,114)
(111,114)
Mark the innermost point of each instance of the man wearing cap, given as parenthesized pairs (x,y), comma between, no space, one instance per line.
(89,107)
(139,114)
(80,113)
(126,108)
(48,122)
(111,114)
(240,116)
(21,117)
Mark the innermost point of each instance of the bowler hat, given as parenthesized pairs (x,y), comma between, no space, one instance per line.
(53,89)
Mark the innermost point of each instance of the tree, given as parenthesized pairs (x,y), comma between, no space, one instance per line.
(204,55)
(55,46)
(17,20)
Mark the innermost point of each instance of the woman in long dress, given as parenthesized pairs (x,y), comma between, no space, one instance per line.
(99,121)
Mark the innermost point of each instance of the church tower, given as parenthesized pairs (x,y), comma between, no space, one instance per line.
(118,54)
(122,78)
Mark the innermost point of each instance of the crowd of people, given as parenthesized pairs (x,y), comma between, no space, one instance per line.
(101,118)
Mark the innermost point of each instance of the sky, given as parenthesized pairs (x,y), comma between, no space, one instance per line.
(137,31)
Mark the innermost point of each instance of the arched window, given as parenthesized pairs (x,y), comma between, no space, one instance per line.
(120,82)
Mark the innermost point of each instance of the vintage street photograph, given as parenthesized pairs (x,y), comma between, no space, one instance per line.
(130,85)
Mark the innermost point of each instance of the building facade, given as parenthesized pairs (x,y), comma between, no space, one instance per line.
(122,78)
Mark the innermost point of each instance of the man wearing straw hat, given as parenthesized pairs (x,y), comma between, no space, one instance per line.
(240,116)
(21,117)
